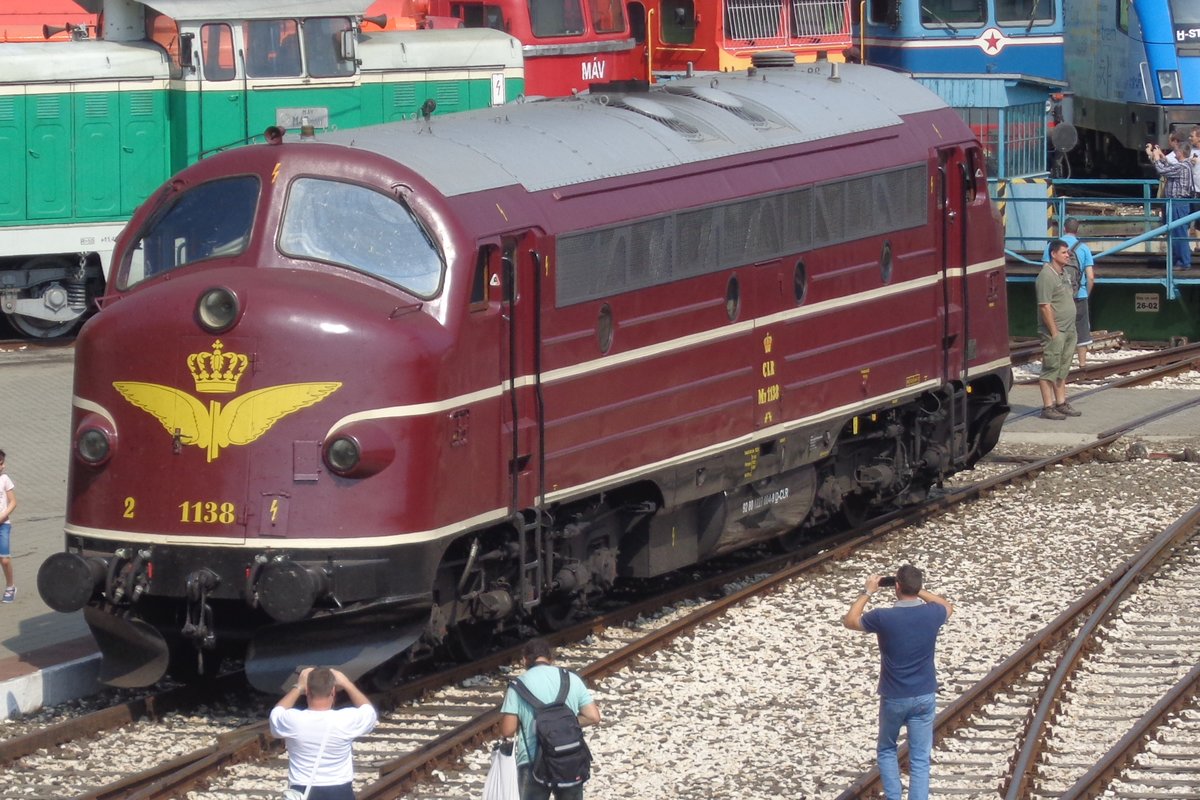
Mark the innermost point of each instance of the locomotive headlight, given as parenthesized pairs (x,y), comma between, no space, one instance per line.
(1168,85)
(359,450)
(94,440)
(218,309)
(343,454)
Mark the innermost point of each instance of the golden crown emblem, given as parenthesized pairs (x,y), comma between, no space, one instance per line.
(767,342)
(217,372)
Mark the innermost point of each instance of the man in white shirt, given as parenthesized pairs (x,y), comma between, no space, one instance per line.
(319,737)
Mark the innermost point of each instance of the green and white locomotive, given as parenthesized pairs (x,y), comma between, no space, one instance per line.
(88,128)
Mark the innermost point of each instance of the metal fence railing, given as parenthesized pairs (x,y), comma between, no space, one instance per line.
(1135,222)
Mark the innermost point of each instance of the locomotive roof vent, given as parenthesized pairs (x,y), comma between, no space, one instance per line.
(773,58)
(655,111)
(723,100)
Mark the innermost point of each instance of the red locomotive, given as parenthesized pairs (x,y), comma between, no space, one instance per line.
(414,385)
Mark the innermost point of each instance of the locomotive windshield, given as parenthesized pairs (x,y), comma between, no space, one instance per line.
(1186,15)
(357,227)
(951,13)
(212,220)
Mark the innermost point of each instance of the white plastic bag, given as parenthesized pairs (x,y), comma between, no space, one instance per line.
(501,783)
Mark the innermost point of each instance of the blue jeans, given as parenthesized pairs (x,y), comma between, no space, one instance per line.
(532,790)
(1181,243)
(916,714)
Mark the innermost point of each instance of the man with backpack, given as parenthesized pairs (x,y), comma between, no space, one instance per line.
(1080,271)
(546,709)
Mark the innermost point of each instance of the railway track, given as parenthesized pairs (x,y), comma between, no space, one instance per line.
(434,719)
(1082,698)
(460,703)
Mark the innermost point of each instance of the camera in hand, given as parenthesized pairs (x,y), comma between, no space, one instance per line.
(887,580)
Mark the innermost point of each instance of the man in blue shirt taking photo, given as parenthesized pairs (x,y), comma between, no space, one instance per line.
(907,634)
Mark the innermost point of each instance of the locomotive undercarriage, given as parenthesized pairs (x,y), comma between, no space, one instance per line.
(538,570)
(801,486)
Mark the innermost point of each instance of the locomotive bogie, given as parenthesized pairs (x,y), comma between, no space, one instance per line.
(540,378)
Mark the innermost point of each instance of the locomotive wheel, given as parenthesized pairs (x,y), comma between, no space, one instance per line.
(34,327)
(557,611)
(855,510)
(793,541)
(468,641)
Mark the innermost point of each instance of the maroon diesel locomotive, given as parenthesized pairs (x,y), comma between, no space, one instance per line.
(348,401)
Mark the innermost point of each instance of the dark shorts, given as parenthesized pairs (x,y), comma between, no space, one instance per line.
(1083,325)
(344,791)
(1057,352)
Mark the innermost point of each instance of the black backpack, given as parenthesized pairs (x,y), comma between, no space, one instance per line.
(1072,271)
(563,758)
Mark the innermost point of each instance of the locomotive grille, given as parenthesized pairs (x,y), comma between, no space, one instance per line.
(447,96)
(141,104)
(404,97)
(47,107)
(659,250)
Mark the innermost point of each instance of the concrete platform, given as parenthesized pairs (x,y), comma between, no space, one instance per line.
(48,658)
(1102,411)
(45,657)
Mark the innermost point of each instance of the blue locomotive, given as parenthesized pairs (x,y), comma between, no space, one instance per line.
(1134,71)
(998,62)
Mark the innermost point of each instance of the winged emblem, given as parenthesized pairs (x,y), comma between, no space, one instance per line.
(210,428)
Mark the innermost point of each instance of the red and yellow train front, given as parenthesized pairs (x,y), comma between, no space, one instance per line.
(226,484)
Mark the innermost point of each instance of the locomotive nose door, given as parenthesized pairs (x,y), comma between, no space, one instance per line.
(523,264)
(952,207)
(953,183)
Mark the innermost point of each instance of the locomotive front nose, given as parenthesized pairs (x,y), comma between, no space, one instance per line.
(67,581)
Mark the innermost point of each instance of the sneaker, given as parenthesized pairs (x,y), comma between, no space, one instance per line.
(10,594)
(1050,412)
(1068,409)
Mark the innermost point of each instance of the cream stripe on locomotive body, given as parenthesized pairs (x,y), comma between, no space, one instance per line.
(668,324)
(456,527)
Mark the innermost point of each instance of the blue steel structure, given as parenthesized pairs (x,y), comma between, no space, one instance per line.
(998,62)
(1133,67)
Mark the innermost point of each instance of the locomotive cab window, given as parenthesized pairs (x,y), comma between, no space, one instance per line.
(677,23)
(952,13)
(608,16)
(212,220)
(479,15)
(272,48)
(1024,12)
(216,51)
(321,52)
(360,228)
(556,17)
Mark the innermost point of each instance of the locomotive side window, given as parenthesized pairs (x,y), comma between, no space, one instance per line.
(216,48)
(556,17)
(479,283)
(212,220)
(272,48)
(321,37)
(1024,12)
(607,16)
(951,13)
(479,15)
(360,228)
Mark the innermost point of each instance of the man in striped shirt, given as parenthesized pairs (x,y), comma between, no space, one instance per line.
(1178,174)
